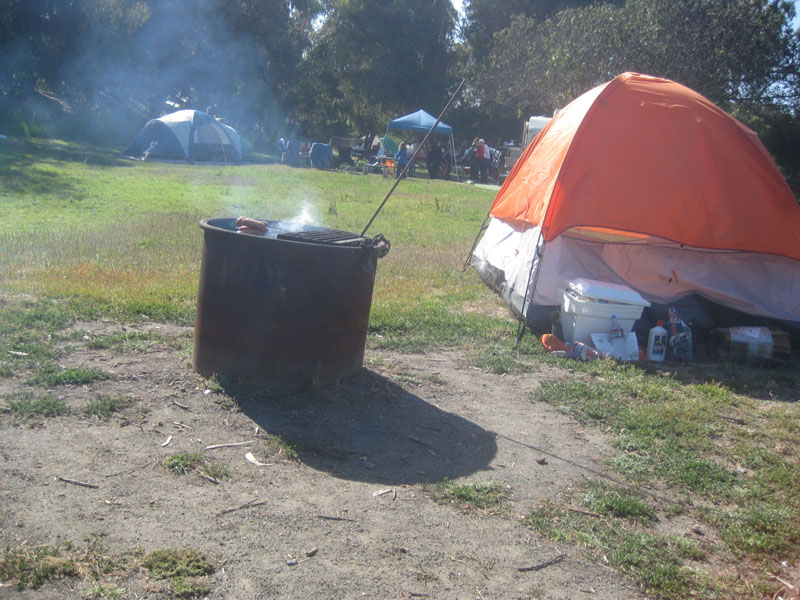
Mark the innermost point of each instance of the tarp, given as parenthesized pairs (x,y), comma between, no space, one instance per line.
(644,182)
(420,121)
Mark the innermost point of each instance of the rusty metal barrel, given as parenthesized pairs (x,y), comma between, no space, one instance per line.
(279,311)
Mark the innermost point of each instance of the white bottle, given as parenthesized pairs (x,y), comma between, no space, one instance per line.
(657,343)
(616,335)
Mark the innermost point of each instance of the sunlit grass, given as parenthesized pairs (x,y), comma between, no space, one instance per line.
(122,240)
(727,459)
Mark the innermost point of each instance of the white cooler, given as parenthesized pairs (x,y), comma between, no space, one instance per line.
(588,305)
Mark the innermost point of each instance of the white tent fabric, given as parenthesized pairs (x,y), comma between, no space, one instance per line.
(757,284)
(188,135)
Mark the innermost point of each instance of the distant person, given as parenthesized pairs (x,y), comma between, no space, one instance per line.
(445,164)
(481,161)
(401,156)
(434,160)
(282,145)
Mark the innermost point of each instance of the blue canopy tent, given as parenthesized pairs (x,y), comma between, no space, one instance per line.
(422,121)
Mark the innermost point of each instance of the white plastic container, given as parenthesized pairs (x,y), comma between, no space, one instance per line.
(657,343)
(588,305)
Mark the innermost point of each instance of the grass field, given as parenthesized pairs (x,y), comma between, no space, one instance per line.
(88,235)
(120,238)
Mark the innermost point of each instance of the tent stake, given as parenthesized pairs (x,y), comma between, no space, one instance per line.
(413,156)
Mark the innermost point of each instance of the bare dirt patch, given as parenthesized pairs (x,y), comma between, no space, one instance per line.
(340,506)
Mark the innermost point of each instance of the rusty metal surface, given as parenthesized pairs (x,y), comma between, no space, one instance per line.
(280,313)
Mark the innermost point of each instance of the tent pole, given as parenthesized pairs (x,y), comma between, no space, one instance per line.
(540,256)
(453,156)
(483,228)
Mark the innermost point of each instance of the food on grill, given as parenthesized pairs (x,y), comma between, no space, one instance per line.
(251,226)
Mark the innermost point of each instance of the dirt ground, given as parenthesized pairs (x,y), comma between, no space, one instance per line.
(355,487)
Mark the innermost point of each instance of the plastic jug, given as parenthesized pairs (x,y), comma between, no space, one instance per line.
(657,343)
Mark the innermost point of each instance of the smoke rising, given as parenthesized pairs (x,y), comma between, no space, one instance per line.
(158,57)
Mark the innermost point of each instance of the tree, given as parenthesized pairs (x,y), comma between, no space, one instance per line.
(484,18)
(738,53)
(105,58)
(373,60)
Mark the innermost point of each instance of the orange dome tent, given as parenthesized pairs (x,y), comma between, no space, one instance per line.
(644,182)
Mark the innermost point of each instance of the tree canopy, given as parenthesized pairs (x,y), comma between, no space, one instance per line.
(315,68)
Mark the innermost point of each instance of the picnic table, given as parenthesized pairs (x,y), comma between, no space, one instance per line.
(386,164)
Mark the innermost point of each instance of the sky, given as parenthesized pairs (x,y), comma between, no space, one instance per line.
(796,17)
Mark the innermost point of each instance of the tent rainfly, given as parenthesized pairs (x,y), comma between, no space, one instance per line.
(421,121)
(644,182)
(187,135)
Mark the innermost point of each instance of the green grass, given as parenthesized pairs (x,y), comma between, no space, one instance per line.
(660,563)
(109,591)
(43,406)
(103,406)
(483,495)
(120,239)
(31,567)
(53,375)
(724,458)
(136,341)
(185,568)
(184,462)
(600,497)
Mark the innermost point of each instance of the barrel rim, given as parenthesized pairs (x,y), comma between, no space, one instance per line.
(208,226)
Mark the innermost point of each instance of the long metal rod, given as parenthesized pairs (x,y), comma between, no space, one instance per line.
(411,161)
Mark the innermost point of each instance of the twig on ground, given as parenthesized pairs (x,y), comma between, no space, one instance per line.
(181,425)
(733,419)
(17,353)
(418,441)
(167,441)
(80,483)
(543,565)
(382,492)
(206,476)
(126,471)
(584,512)
(329,518)
(215,446)
(250,504)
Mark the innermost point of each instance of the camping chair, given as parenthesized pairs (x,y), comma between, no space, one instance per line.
(344,147)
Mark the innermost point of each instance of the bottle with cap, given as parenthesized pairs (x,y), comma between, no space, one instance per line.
(616,335)
(657,343)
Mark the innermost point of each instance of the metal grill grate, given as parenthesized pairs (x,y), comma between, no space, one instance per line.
(324,236)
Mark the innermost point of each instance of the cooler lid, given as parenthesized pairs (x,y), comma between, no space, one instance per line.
(610,292)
